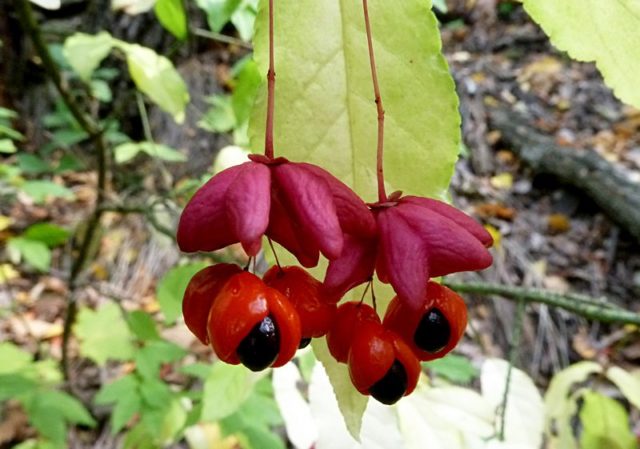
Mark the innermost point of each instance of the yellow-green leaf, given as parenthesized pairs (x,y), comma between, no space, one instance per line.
(592,30)
(325,110)
(605,424)
(85,52)
(561,405)
(156,77)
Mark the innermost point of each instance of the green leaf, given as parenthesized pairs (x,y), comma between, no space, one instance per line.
(69,407)
(155,76)
(605,424)
(50,411)
(124,410)
(593,30)
(219,12)
(199,370)
(171,289)
(255,436)
(69,137)
(100,89)
(175,417)
(69,162)
(247,82)
(35,253)
(172,16)
(15,385)
(40,190)
(128,150)
(155,393)
(7,146)
(104,334)
(13,358)
(455,368)
(142,325)
(32,164)
(47,233)
(85,52)
(351,403)
(226,388)
(154,354)
(116,390)
(244,18)
(325,109)
(163,152)
(126,397)
(220,116)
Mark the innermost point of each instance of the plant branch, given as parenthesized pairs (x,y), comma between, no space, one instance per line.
(271,88)
(382,195)
(514,346)
(585,306)
(95,132)
(221,38)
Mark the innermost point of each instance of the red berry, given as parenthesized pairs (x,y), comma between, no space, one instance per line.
(382,364)
(199,296)
(435,328)
(305,294)
(349,316)
(253,324)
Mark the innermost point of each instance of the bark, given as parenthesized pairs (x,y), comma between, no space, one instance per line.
(603,182)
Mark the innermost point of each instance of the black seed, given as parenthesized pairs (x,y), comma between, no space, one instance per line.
(392,386)
(259,349)
(433,331)
(304,343)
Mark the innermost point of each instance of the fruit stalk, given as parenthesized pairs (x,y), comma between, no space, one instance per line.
(382,195)
(271,86)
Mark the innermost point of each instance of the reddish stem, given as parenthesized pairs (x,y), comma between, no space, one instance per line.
(382,195)
(271,86)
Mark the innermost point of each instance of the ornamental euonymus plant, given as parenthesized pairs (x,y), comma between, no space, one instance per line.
(404,240)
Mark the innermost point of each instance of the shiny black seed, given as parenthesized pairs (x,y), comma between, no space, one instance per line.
(392,386)
(304,343)
(259,349)
(433,331)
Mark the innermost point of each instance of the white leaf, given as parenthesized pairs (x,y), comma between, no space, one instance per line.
(332,431)
(228,157)
(133,6)
(524,417)
(296,412)
(351,403)
(47,4)
(445,417)
(628,384)
(380,428)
